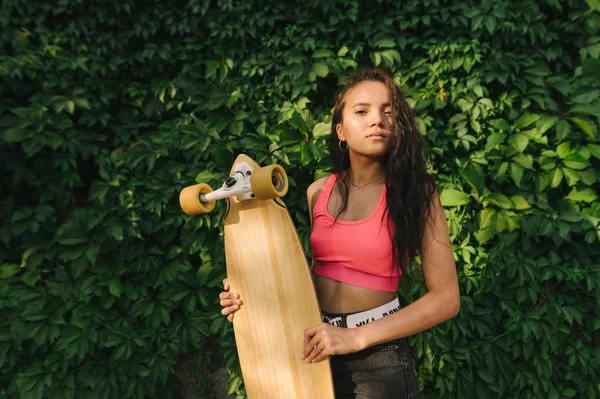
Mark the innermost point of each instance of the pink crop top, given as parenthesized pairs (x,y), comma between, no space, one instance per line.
(359,252)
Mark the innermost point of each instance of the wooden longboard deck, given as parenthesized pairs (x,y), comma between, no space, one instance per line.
(267,266)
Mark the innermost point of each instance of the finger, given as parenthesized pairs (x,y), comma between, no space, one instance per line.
(304,343)
(226,284)
(228,310)
(314,353)
(310,352)
(227,302)
(320,357)
(323,354)
(307,337)
(230,318)
(224,295)
(309,333)
(230,302)
(227,295)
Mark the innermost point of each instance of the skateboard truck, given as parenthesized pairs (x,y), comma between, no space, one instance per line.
(238,184)
(245,183)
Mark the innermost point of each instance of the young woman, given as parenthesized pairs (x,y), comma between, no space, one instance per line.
(375,213)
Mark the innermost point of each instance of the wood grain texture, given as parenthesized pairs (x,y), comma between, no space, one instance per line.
(267,266)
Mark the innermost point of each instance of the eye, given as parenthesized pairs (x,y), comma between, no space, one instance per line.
(388,113)
(361,112)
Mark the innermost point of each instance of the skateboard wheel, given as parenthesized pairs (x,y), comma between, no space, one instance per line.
(269,182)
(190,202)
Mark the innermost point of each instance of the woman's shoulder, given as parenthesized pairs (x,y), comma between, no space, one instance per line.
(314,190)
(317,185)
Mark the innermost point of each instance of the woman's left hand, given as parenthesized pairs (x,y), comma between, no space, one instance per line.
(326,340)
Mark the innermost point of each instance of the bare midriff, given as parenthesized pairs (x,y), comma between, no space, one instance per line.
(337,297)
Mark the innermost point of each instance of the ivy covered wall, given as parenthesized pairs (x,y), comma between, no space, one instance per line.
(109,108)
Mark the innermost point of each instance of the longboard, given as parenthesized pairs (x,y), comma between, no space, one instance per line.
(267,266)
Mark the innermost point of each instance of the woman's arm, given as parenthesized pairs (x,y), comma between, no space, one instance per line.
(442,301)
(312,195)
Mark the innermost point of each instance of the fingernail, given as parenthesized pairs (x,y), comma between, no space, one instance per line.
(238,301)
(235,295)
(235,306)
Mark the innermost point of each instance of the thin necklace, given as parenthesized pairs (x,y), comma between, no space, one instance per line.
(359,186)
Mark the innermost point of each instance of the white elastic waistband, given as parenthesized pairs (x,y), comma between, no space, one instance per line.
(361,318)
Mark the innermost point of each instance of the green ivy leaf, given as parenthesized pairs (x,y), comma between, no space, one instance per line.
(15,135)
(500,200)
(494,140)
(474,176)
(294,71)
(456,63)
(563,149)
(586,195)
(543,179)
(207,176)
(322,53)
(391,57)
(594,149)
(321,129)
(525,120)
(70,234)
(516,173)
(525,161)
(376,58)
(487,218)
(92,253)
(117,232)
(500,124)
(451,197)
(385,43)
(321,69)
(298,122)
(70,105)
(563,130)
(31,278)
(556,177)
(595,5)
(520,202)
(569,393)
(457,118)
(165,316)
(588,127)
(576,161)
(545,123)
(486,375)
(9,269)
(234,384)
(114,287)
(82,103)
(519,141)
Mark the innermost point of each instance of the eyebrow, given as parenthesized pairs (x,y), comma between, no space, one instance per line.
(367,104)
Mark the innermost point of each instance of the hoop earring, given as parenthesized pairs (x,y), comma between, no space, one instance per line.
(340,145)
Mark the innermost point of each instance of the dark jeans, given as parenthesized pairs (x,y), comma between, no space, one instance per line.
(381,371)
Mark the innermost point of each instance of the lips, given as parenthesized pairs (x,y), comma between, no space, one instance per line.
(378,135)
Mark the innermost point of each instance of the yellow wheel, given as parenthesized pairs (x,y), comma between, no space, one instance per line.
(269,182)
(189,199)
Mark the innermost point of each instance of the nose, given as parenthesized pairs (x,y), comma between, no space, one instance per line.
(377,119)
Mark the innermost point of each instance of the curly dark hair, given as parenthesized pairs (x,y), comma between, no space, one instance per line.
(410,189)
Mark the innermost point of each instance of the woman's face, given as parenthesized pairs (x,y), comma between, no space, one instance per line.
(367,119)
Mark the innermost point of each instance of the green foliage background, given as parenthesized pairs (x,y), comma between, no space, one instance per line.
(109,108)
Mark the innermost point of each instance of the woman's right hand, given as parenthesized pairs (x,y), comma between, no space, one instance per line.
(230,301)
